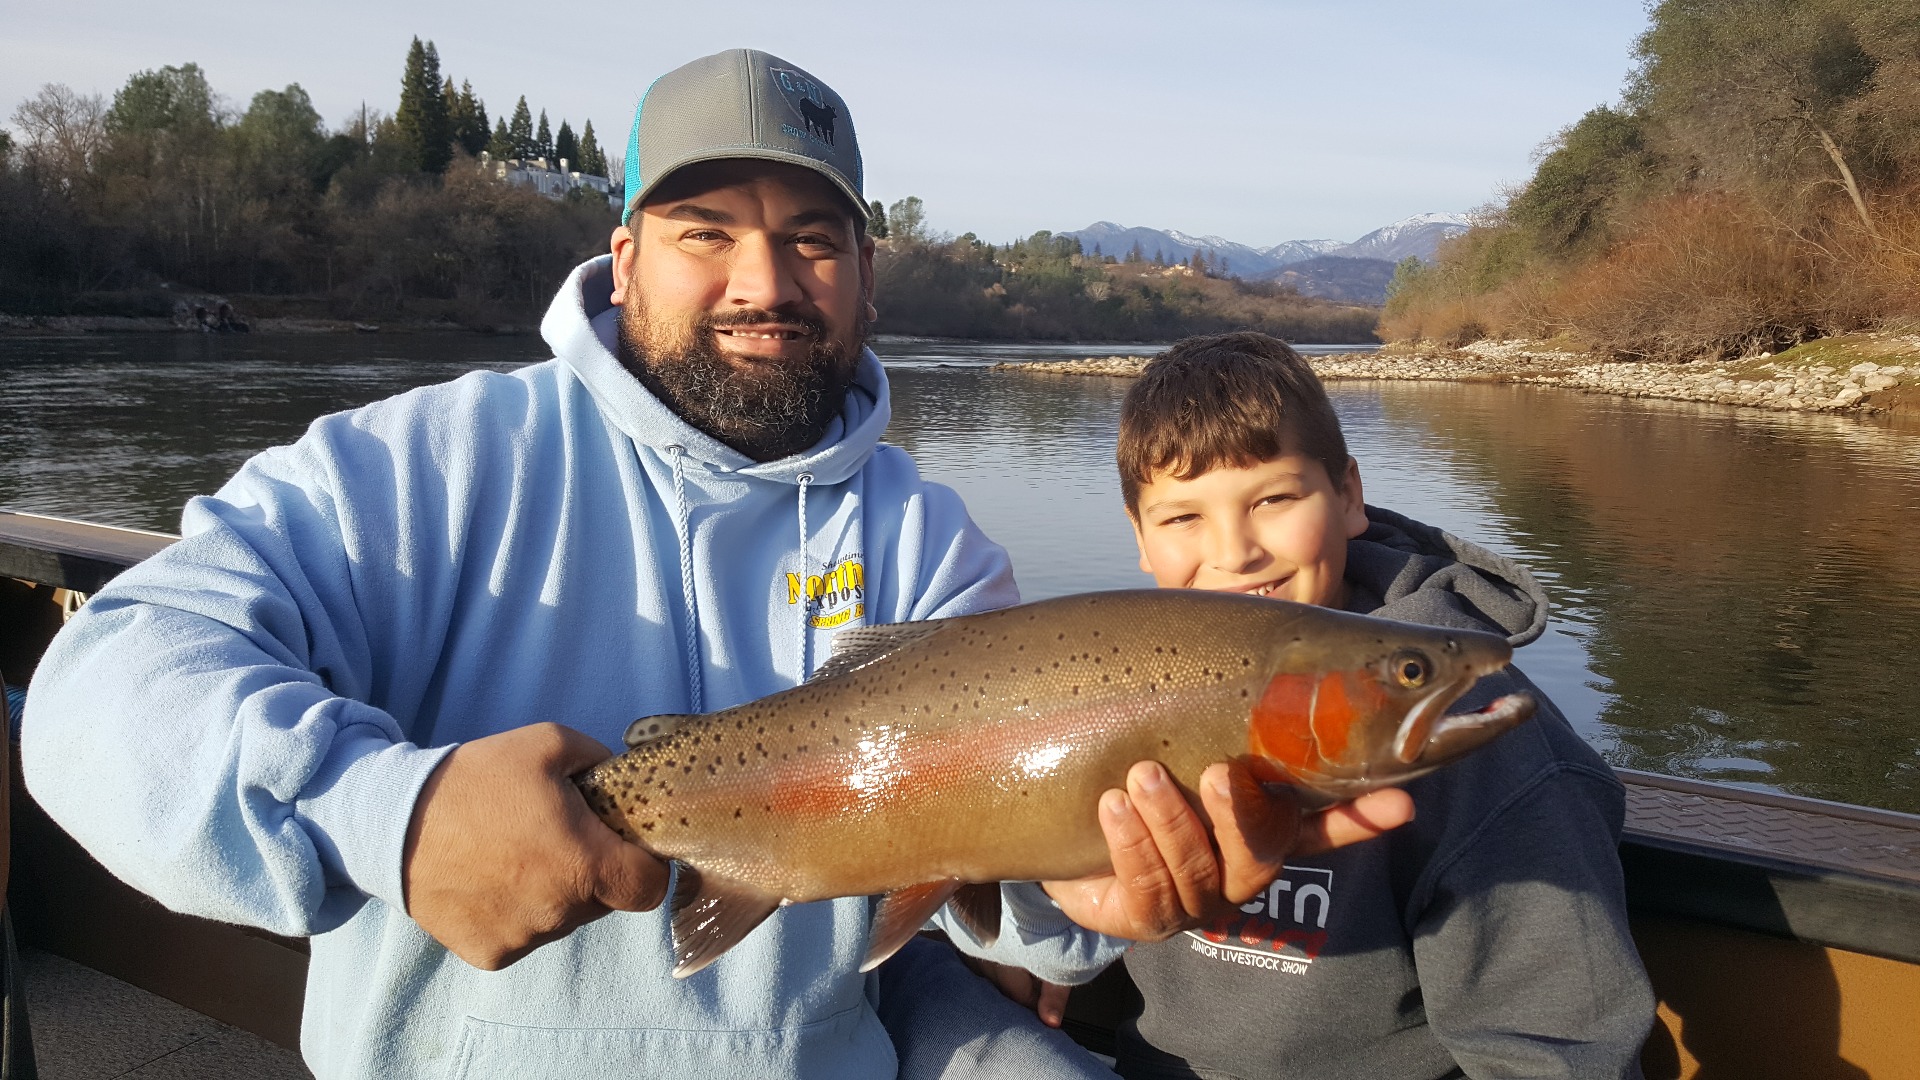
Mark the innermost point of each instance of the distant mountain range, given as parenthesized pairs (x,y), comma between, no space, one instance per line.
(1330,268)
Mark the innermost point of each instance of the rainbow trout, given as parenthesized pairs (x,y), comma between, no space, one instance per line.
(930,761)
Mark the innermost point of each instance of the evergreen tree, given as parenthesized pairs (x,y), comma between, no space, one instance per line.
(1136,255)
(592,161)
(877,220)
(500,147)
(543,139)
(520,130)
(566,147)
(422,127)
(466,116)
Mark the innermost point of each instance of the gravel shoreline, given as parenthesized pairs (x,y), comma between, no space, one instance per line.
(1757,382)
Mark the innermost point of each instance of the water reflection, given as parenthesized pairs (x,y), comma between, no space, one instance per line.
(1735,591)
(1746,582)
(124,429)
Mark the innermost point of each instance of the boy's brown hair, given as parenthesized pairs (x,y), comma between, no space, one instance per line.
(1224,400)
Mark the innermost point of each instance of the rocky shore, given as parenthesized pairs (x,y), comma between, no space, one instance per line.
(1857,374)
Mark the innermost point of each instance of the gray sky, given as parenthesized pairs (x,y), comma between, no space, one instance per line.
(1258,121)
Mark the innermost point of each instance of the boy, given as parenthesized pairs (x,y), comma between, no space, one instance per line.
(1487,938)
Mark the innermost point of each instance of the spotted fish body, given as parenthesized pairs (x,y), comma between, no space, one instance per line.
(925,756)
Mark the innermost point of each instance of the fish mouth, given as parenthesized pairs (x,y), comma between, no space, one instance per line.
(1508,708)
(1410,741)
(1457,733)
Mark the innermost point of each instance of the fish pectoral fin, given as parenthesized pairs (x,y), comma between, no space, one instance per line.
(977,906)
(901,914)
(710,915)
(857,646)
(648,728)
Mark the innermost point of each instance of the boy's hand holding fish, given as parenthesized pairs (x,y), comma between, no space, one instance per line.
(1169,875)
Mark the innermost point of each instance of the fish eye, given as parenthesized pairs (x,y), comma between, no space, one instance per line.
(1410,669)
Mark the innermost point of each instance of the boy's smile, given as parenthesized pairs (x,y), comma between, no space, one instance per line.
(1278,528)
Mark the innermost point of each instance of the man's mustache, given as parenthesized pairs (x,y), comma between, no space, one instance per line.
(756,317)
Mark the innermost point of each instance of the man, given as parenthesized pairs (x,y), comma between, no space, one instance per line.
(335,707)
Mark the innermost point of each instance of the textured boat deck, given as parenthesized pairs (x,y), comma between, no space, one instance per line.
(89,1026)
(1833,836)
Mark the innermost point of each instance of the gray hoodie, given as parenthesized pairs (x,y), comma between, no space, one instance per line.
(1486,939)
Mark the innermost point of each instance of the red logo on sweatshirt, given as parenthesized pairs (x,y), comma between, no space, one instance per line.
(1283,929)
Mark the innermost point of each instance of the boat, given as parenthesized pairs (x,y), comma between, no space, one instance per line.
(1781,934)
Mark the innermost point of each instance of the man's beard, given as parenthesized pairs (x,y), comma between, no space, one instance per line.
(766,408)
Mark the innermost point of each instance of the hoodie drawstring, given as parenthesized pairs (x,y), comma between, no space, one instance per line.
(677,454)
(806,639)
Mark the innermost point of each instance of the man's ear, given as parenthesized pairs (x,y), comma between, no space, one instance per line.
(1353,501)
(626,251)
(867,277)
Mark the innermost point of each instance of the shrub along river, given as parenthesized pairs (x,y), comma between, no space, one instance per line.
(1737,593)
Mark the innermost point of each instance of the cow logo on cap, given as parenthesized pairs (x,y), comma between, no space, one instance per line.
(808,100)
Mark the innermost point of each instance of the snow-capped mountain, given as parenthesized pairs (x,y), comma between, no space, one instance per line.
(1294,251)
(1419,235)
(1172,246)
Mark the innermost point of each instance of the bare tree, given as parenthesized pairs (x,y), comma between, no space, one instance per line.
(65,131)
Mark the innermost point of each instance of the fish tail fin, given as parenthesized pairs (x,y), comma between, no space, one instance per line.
(710,916)
(901,914)
(648,728)
(977,906)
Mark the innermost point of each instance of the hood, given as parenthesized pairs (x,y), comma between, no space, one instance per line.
(581,328)
(1403,569)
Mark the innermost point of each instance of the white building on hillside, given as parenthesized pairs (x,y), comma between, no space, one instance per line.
(541,176)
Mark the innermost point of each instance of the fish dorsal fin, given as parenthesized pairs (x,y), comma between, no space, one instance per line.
(710,915)
(857,646)
(648,728)
(977,906)
(901,914)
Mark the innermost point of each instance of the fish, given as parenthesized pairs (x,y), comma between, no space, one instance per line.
(926,762)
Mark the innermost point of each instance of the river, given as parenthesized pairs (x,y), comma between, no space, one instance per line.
(1737,593)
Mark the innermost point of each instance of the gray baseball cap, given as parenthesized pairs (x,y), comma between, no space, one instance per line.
(741,103)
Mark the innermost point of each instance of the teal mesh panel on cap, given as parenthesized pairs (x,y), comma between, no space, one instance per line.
(742,103)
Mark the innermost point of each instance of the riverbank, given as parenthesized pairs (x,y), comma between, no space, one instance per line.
(1858,373)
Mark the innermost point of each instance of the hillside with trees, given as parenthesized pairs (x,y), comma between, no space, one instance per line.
(117,206)
(1046,287)
(1757,186)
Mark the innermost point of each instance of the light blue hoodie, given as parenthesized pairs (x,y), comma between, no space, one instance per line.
(240,725)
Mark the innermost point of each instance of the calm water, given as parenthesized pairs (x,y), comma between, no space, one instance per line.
(1737,594)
